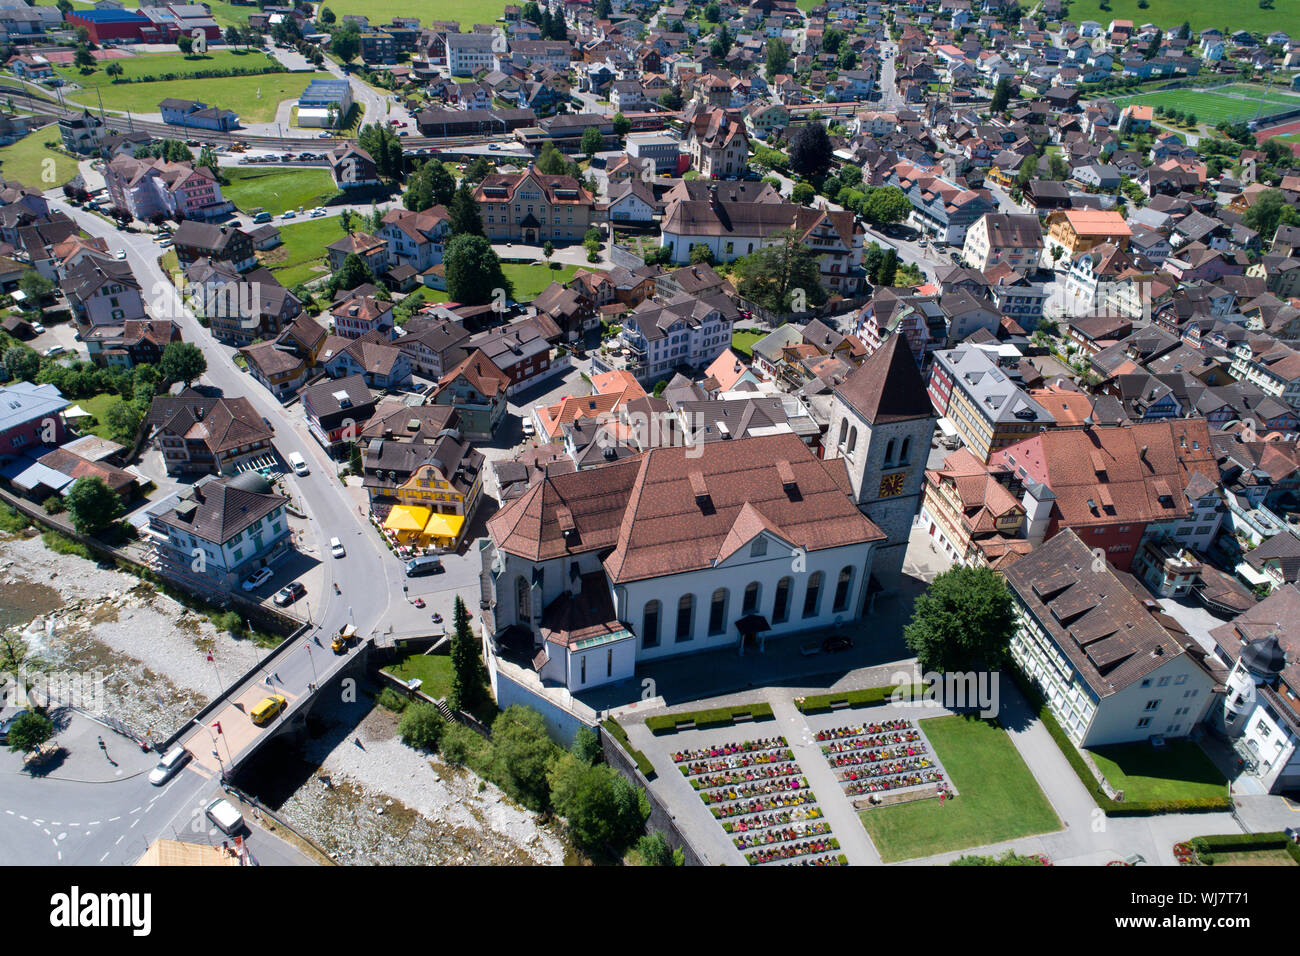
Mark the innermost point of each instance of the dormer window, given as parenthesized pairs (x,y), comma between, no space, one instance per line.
(758,547)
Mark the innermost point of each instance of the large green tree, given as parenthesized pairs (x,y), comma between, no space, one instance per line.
(464,217)
(963,622)
(22,362)
(431,185)
(346,44)
(780,275)
(183,362)
(92,505)
(29,731)
(600,806)
(810,150)
(521,753)
(1268,211)
(777,58)
(467,672)
(473,270)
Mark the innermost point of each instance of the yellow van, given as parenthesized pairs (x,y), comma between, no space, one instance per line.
(265,711)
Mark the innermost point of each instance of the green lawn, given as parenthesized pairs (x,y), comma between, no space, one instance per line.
(433,669)
(277,190)
(1227,15)
(529,279)
(254,98)
(302,256)
(25,161)
(158,64)
(465,12)
(997,800)
(98,406)
(1178,771)
(743,342)
(1212,108)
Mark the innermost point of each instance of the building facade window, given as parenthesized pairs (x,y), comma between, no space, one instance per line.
(718,612)
(812,598)
(686,617)
(650,625)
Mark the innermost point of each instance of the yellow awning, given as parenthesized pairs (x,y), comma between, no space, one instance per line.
(444,526)
(407,518)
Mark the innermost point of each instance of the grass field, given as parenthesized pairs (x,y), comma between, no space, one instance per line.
(743,342)
(433,669)
(302,257)
(1227,15)
(25,161)
(277,190)
(1178,771)
(254,98)
(529,279)
(997,800)
(465,12)
(1212,108)
(157,64)
(99,406)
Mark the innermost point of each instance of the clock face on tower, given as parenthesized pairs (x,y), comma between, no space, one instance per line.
(891,485)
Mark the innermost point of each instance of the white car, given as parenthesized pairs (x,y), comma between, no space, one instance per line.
(257,579)
(55,350)
(336,548)
(529,430)
(318,212)
(38,328)
(120,254)
(289,214)
(171,762)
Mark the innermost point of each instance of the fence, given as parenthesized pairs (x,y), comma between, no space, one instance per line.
(625,257)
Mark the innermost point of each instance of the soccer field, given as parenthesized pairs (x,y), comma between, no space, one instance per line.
(1216,107)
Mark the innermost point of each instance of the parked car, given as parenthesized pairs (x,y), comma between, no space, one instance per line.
(289,593)
(262,217)
(289,214)
(38,328)
(54,350)
(257,579)
(120,254)
(418,567)
(171,762)
(336,548)
(836,643)
(223,813)
(267,709)
(318,213)
(529,429)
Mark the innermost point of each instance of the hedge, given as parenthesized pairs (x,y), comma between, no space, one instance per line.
(715,717)
(1112,808)
(1208,846)
(615,730)
(871,696)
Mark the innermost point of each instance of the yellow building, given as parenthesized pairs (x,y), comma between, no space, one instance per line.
(426,493)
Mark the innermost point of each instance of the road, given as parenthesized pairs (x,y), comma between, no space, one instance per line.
(367,576)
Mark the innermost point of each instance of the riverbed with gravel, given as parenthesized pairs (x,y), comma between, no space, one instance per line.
(360,794)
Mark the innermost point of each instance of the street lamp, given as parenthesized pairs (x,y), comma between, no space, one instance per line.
(314,678)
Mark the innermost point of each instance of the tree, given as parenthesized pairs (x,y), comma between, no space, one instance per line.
(591,141)
(1266,213)
(464,218)
(831,40)
(1001,96)
(600,806)
(1057,167)
(114,69)
(123,420)
(356,271)
(550,161)
(92,505)
(670,99)
(208,158)
(586,746)
(346,44)
(473,270)
(83,57)
(778,58)
(22,362)
(712,12)
(384,147)
(848,58)
(185,43)
(655,850)
(467,672)
(622,125)
(803,193)
(326,16)
(963,622)
(183,362)
(478,170)
(701,254)
(35,287)
(430,185)
(603,9)
(810,150)
(888,268)
(721,44)
(548,250)
(29,731)
(885,205)
(421,726)
(521,753)
(778,275)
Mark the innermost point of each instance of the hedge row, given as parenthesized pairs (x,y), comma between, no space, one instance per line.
(1112,808)
(200,74)
(1208,848)
(716,717)
(615,730)
(819,703)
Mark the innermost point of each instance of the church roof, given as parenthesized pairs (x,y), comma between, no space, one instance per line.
(887,387)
